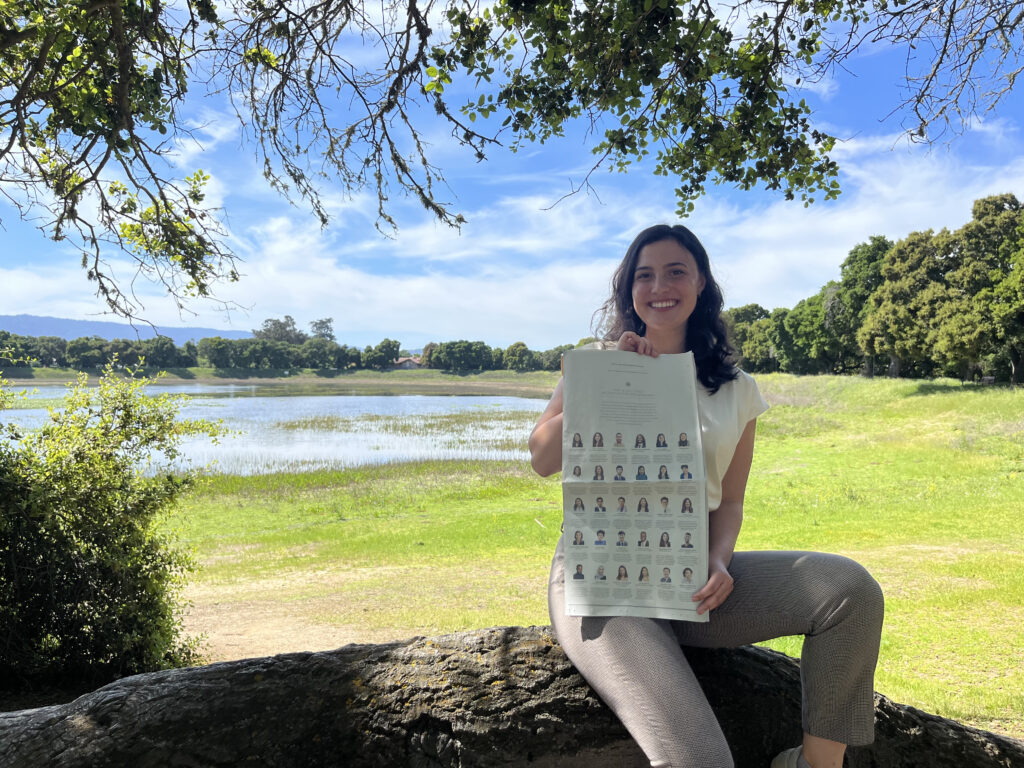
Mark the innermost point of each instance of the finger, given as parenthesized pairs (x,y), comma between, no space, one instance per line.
(712,601)
(714,583)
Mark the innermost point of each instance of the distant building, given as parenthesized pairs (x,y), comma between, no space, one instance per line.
(407,363)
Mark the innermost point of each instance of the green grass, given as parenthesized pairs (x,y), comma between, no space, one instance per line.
(422,548)
(922,482)
(309,382)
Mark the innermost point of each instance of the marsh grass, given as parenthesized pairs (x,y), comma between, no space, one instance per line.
(485,429)
(922,482)
(25,404)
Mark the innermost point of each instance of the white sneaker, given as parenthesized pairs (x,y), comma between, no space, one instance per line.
(789,758)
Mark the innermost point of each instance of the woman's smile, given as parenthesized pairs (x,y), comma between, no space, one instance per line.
(666,285)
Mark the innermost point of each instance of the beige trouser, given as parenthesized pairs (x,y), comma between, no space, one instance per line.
(637,667)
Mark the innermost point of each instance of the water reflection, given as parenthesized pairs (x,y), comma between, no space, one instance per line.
(304,433)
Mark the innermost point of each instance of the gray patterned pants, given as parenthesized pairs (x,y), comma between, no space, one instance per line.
(635,665)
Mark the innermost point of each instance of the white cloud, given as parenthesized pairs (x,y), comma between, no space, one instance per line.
(777,254)
(209,129)
(825,86)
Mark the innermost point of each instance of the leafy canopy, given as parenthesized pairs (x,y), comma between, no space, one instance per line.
(92,94)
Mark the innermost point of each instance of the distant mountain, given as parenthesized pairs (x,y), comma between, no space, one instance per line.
(34,325)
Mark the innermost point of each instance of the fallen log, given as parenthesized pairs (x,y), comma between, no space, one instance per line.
(505,696)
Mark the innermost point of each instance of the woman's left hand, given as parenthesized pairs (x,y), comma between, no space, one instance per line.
(718,588)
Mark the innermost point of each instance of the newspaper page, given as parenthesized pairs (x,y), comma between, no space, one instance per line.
(634,496)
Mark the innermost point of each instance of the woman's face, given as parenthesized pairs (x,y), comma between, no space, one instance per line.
(622,571)
(666,284)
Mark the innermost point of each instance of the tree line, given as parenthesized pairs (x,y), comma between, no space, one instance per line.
(277,345)
(932,304)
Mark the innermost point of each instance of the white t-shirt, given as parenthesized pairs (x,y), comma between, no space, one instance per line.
(723,417)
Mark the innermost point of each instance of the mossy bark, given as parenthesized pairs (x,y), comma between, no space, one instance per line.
(494,697)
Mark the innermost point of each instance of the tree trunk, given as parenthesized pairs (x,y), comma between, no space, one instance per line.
(894,367)
(1016,369)
(496,697)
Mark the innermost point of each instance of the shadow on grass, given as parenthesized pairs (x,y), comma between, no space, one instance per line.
(18,372)
(951,387)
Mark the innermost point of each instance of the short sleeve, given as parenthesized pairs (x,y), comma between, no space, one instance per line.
(723,417)
(751,403)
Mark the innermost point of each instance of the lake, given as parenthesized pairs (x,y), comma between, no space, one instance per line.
(282,433)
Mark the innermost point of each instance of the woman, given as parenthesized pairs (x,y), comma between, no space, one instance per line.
(599,472)
(661,442)
(577,506)
(687,575)
(577,440)
(664,540)
(645,576)
(665,300)
(641,506)
(577,539)
(577,472)
(663,472)
(623,576)
(687,507)
(683,442)
(640,442)
(598,441)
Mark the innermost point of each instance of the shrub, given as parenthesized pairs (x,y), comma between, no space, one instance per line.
(89,580)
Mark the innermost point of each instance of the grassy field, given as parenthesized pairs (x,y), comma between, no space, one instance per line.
(310,382)
(923,482)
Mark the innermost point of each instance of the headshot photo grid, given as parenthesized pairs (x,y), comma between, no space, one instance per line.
(635,516)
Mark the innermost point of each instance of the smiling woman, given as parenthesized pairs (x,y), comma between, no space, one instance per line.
(665,301)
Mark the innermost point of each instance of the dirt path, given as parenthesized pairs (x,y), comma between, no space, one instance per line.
(239,629)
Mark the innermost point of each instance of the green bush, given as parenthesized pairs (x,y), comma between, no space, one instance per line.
(89,582)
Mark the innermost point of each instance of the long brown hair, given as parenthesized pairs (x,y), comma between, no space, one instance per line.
(706,335)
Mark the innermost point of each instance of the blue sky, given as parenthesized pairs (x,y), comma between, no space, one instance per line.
(525,268)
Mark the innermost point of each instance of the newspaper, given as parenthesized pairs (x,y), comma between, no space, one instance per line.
(634,495)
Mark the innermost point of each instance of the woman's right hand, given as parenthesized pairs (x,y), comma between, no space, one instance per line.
(633,342)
